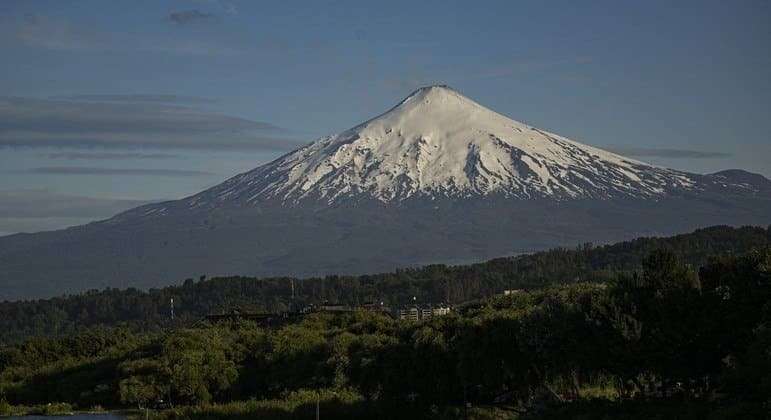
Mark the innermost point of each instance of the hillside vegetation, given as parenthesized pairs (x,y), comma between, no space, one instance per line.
(150,310)
(666,340)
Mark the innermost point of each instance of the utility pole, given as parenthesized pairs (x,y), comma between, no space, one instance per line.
(293,306)
(318,400)
(172,309)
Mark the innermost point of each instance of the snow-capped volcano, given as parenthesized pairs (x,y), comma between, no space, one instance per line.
(439,143)
(436,179)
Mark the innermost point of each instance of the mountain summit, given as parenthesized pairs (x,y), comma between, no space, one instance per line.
(437,143)
(436,179)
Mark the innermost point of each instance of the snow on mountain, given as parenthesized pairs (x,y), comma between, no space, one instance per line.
(434,145)
(439,143)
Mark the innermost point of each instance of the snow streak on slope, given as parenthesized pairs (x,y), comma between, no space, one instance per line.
(438,143)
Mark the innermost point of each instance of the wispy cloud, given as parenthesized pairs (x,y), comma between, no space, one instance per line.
(229,7)
(137,98)
(26,122)
(108,156)
(40,203)
(667,153)
(85,170)
(185,17)
(61,34)
(57,34)
(36,210)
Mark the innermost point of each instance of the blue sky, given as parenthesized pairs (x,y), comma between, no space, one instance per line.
(106,105)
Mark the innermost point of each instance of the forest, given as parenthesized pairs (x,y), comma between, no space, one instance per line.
(655,328)
(140,310)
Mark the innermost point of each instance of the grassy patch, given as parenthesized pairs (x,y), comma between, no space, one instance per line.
(51,409)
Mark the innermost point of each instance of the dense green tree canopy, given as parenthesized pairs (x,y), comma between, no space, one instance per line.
(150,310)
(656,331)
(667,330)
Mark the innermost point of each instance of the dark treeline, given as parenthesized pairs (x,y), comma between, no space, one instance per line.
(667,339)
(149,310)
